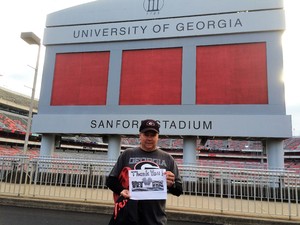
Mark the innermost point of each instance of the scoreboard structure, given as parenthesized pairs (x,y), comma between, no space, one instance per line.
(201,68)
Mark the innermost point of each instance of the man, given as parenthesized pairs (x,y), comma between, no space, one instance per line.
(146,156)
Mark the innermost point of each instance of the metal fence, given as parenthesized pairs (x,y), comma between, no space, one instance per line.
(260,193)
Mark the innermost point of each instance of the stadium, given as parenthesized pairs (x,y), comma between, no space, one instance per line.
(235,152)
(223,153)
(81,161)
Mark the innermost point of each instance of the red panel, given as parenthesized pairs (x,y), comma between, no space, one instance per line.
(80,79)
(232,74)
(151,77)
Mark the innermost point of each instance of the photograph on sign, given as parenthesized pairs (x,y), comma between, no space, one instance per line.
(147,184)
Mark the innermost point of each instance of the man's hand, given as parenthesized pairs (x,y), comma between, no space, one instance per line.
(125,193)
(170,178)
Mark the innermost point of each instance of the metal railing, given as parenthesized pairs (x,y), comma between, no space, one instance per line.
(253,192)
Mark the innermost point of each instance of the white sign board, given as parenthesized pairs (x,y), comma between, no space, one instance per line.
(147,184)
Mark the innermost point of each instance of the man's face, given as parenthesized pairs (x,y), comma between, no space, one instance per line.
(149,140)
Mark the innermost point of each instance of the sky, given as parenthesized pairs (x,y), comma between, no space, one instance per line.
(18,59)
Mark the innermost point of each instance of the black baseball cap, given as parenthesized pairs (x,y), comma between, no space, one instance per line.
(149,125)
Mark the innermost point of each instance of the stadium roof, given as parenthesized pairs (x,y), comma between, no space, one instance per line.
(16,100)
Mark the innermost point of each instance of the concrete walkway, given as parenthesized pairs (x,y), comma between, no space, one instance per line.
(184,215)
(205,209)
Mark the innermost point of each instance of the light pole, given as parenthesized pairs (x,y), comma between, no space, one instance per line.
(31,39)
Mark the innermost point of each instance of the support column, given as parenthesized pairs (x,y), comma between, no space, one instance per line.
(114,147)
(47,145)
(189,149)
(275,154)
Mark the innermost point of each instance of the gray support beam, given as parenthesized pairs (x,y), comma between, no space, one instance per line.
(189,149)
(114,147)
(47,145)
(275,154)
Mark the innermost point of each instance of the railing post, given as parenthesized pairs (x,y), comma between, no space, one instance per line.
(289,197)
(222,188)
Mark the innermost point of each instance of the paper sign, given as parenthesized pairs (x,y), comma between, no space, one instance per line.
(147,184)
